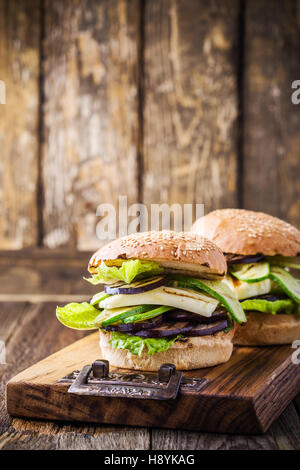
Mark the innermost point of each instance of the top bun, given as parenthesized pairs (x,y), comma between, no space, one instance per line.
(243,232)
(181,252)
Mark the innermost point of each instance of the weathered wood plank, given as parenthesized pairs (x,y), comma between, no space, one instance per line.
(271,134)
(19,147)
(38,435)
(32,332)
(286,430)
(179,440)
(21,322)
(190,102)
(10,314)
(244,395)
(284,434)
(42,272)
(297,404)
(90,114)
(10,318)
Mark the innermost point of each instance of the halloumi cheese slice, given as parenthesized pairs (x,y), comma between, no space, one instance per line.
(184,299)
(244,290)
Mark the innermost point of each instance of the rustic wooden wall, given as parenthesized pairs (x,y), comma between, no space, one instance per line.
(90,110)
(161,100)
(190,102)
(271,153)
(19,121)
(272,122)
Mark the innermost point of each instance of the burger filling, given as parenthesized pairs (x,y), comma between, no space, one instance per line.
(265,284)
(146,308)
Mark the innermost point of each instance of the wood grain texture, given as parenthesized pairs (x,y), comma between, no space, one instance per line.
(90,115)
(286,430)
(244,395)
(284,434)
(32,332)
(297,404)
(271,134)
(19,143)
(39,435)
(190,102)
(19,322)
(41,272)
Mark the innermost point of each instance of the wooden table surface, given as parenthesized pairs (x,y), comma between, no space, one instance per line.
(31,332)
(32,283)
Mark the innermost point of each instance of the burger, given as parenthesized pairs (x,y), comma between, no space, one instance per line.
(163,301)
(261,251)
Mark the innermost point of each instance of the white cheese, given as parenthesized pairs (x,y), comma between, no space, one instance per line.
(184,299)
(244,290)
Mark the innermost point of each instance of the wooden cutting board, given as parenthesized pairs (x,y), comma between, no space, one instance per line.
(243,396)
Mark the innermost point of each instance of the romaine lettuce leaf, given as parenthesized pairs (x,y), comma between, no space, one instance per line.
(136,344)
(266,306)
(130,270)
(78,316)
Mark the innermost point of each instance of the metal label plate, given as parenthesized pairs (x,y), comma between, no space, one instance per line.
(142,385)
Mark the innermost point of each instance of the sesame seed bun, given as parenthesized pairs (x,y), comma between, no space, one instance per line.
(194,353)
(265,329)
(182,252)
(244,232)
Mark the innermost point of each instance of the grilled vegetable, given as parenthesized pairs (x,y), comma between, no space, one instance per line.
(181,315)
(254,272)
(132,327)
(287,282)
(285,261)
(98,297)
(136,287)
(184,299)
(205,330)
(182,328)
(167,329)
(216,289)
(108,317)
(244,290)
(238,259)
(145,316)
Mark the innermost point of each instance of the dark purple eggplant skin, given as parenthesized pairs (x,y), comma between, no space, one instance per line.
(165,330)
(182,315)
(182,323)
(132,327)
(205,330)
(268,297)
(244,259)
(134,290)
(187,329)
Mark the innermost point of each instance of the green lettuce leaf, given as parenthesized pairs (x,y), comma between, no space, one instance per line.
(136,344)
(265,306)
(78,316)
(130,270)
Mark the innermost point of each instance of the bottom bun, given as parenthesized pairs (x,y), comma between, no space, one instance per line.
(194,353)
(265,329)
